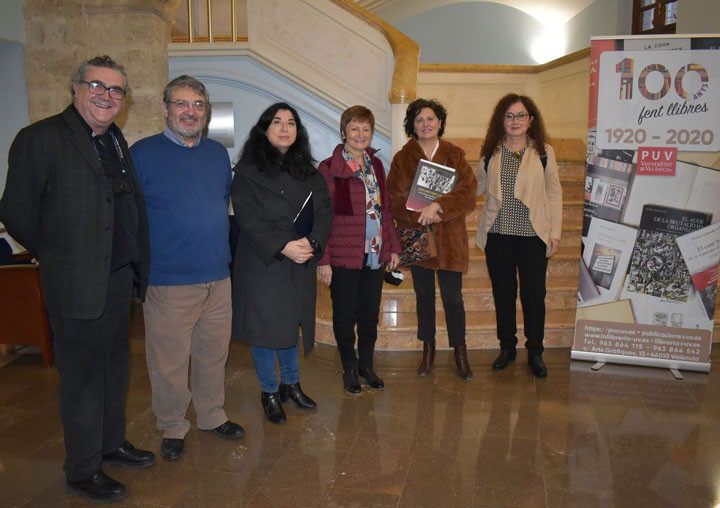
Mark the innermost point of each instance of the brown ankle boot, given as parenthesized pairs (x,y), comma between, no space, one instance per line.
(462,363)
(428,359)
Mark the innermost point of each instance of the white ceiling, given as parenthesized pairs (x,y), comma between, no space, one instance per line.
(546,11)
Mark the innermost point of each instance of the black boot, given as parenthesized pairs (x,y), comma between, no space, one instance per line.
(272,407)
(537,365)
(373,380)
(294,392)
(504,358)
(351,381)
(463,368)
(428,358)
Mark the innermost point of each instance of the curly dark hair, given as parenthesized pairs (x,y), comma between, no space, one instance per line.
(496,129)
(414,110)
(298,161)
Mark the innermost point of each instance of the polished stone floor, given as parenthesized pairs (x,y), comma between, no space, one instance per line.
(619,437)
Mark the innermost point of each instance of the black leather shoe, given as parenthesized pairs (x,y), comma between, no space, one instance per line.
(372,379)
(228,430)
(172,448)
(272,407)
(99,488)
(351,381)
(503,359)
(129,457)
(294,392)
(539,369)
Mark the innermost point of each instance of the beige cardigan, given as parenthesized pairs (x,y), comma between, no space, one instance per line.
(539,190)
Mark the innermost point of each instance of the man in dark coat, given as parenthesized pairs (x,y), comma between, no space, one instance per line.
(72,199)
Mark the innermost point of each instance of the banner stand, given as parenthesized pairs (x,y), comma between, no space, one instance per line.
(647,288)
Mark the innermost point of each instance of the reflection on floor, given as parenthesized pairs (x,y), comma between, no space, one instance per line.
(619,437)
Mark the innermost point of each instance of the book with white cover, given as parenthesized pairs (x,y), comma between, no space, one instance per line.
(608,249)
(692,187)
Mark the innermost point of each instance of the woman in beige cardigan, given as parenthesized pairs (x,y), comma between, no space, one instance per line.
(521,222)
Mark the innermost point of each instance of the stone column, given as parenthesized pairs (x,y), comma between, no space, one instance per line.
(61,34)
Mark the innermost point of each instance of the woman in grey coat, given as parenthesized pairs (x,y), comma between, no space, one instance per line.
(274,280)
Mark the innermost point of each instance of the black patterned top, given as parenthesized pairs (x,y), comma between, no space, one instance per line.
(513,217)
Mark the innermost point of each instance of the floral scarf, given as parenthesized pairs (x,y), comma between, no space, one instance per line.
(373,209)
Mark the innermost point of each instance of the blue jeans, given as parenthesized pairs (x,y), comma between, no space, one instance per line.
(264,359)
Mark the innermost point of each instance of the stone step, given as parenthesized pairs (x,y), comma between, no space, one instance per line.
(573,190)
(398,330)
(567,171)
(571,236)
(566,149)
(477,294)
(572,211)
(565,263)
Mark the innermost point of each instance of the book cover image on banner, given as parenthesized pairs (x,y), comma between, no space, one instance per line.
(701,251)
(657,267)
(647,288)
(606,188)
(607,252)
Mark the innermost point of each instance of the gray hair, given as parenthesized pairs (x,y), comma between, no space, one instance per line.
(186,81)
(99,61)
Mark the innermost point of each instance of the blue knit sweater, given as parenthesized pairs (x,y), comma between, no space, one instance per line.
(187,192)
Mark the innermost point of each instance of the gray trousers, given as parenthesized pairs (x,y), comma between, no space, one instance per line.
(183,322)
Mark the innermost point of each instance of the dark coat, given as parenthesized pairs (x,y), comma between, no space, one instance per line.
(346,245)
(272,295)
(59,205)
(450,234)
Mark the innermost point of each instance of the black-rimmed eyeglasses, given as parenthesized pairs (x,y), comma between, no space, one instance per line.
(98,88)
(183,105)
(520,116)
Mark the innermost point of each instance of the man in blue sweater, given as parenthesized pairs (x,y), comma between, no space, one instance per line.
(186,179)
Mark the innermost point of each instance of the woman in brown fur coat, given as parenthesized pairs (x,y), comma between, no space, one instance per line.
(424,125)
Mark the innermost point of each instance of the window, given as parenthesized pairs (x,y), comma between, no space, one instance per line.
(654,16)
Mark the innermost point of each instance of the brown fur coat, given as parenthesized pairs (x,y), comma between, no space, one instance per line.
(450,234)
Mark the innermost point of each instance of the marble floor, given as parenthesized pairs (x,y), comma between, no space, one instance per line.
(619,437)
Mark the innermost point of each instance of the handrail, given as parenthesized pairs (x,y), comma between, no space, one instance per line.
(406,51)
(403,88)
(504,68)
(190,25)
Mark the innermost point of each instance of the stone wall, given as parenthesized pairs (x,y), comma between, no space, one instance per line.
(61,34)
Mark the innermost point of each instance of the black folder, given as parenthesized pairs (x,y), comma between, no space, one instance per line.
(303,222)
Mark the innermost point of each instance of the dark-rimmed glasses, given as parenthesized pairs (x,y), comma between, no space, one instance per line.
(520,116)
(183,105)
(98,88)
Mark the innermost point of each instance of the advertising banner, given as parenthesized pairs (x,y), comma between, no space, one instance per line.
(647,289)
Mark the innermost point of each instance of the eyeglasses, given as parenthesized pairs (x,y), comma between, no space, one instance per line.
(98,88)
(520,116)
(183,105)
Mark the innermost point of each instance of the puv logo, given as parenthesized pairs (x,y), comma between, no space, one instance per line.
(656,161)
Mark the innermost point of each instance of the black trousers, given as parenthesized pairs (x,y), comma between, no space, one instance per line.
(509,257)
(450,283)
(92,357)
(356,298)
